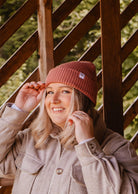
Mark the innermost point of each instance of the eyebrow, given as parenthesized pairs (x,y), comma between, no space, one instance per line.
(64,86)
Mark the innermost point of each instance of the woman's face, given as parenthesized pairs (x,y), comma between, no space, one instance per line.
(57,102)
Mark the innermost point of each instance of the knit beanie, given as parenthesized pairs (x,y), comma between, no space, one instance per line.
(80,75)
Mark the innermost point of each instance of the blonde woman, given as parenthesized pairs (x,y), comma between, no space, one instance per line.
(67,148)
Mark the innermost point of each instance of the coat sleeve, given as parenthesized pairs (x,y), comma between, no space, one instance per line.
(10,124)
(103,173)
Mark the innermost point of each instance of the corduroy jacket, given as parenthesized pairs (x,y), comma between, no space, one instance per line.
(106,165)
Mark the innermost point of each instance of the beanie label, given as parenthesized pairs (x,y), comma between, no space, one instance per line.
(81,75)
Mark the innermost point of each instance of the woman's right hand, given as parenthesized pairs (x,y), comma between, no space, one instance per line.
(30,95)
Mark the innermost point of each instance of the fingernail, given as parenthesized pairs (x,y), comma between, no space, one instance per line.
(70,122)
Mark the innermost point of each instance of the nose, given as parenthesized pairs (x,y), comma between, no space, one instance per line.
(55,98)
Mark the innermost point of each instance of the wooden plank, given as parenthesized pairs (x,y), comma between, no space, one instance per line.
(130,79)
(128,13)
(130,113)
(63,11)
(92,52)
(45,37)
(134,140)
(6,190)
(33,77)
(18,59)
(13,23)
(27,10)
(33,39)
(127,83)
(129,46)
(111,64)
(2,2)
(76,34)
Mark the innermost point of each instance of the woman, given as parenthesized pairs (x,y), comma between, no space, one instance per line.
(67,148)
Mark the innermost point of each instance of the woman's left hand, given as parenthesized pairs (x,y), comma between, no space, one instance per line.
(83,125)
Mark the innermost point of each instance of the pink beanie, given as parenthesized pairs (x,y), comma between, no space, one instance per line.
(80,75)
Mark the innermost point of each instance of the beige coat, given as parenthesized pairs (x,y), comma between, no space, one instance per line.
(95,167)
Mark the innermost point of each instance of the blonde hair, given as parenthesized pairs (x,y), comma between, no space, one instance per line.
(42,126)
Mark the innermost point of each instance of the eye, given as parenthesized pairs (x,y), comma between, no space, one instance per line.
(49,92)
(66,92)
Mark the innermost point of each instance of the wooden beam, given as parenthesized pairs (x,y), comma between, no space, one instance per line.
(111,64)
(128,13)
(76,34)
(13,23)
(18,58)
(129,46)
(33,77)
(63,11)
(130,79)
(130,113)
(45,37)
(92,52)
(134,140)
(6,190)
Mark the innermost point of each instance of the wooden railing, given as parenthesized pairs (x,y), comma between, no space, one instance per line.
(65,45)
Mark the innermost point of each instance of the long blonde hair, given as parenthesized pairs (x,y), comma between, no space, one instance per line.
(42,126)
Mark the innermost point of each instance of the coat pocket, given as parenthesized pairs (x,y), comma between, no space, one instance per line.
(27,171)
(77,184)
(28,164)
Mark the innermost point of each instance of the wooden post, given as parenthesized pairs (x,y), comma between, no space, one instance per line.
(46,61)
(111,64)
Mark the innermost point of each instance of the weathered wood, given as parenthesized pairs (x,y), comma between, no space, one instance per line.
(63,11)
(18,58)
(76,34)
(45,37)
(128,13)
(6,190)
(33,77)
(130,79)
(92,52)
(111,64)
(22,14)
(2,2)
(129,46)
(130,113)
(134,140)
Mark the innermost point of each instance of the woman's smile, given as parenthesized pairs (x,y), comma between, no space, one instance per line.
(58,109)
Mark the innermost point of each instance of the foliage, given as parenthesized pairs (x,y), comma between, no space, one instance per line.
(10,7)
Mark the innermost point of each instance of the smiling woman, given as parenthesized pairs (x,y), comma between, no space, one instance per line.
(67,148)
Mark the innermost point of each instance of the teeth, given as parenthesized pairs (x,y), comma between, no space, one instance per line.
(57,109)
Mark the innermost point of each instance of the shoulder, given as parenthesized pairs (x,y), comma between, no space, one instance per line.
(114,141)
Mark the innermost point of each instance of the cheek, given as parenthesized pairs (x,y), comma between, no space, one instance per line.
(68,101)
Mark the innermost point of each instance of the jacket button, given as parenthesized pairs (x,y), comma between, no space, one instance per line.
(59,171)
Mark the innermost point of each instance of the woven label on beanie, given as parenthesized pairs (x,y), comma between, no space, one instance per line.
(81,75)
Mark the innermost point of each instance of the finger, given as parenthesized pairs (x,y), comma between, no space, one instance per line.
(33,85)
(42,85)
(81,113)
(79,116)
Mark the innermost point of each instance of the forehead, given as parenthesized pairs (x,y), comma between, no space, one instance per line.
(58,85)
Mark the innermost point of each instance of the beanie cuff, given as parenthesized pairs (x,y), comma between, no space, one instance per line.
(75,79)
